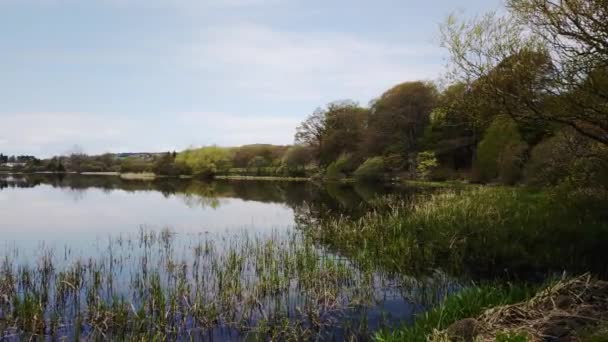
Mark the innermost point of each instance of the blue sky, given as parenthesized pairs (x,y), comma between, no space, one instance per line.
(156,75)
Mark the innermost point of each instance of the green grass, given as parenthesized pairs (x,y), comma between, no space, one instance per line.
(468,303)
(483,231)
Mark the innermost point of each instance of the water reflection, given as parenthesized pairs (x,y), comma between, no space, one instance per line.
(82,209)
(291,194)
(255,250)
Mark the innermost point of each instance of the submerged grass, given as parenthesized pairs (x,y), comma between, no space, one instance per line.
(155,286)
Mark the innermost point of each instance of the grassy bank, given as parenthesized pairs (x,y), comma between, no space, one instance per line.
(470,302)
(572,309)
(480,231)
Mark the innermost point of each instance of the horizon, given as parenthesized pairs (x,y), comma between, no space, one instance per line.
(115,76)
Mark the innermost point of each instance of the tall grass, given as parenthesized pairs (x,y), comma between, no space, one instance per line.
(480,231)
(156,286)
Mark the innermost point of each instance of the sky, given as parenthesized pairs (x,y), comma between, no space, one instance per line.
(159,75)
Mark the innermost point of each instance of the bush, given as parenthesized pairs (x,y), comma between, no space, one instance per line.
(568,156)
(297,157)
(371,170)
(426,162)
(333,173)
(500,154)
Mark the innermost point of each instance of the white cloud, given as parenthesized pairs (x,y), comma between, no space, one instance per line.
(307,65)
(231,130)
(46,134)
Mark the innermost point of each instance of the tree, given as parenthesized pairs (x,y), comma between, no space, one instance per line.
(243,155)
(398,118)
(206,161)
(334,130)
(545,61)
(346,123)
(297,157)
(500,155)
(568,156)
(311,131)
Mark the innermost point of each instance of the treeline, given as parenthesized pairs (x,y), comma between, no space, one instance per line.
(526,100)
(5,159)
(253,160)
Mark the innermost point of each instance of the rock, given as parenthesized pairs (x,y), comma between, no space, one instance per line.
(464,330)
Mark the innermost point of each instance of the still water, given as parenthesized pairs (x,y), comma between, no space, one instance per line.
(126,230)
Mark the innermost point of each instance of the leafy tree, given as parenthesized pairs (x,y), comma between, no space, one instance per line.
(398,118)
(243,155)
(311,131)
(168,166)
(568,156)
(334,130)
(297,157)
(206,161)
(135,165)
(544,62)
(346,123)
(500,154)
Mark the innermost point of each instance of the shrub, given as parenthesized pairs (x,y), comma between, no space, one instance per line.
(426,162)
(297,157)
(371,170)
(500,154)
(333,172)
(568,156)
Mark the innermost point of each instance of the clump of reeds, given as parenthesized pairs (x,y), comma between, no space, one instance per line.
(158,285)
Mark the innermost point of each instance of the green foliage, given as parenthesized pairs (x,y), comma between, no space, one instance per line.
(205,161)
(167,166)
(500,154)
(135,165)
(258,162)
(426,162)
(398,118)
(346,163)
(467,228)
(242,156)
(333,172)
(371,170)
(568,157)
(511,337)
(297,157)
